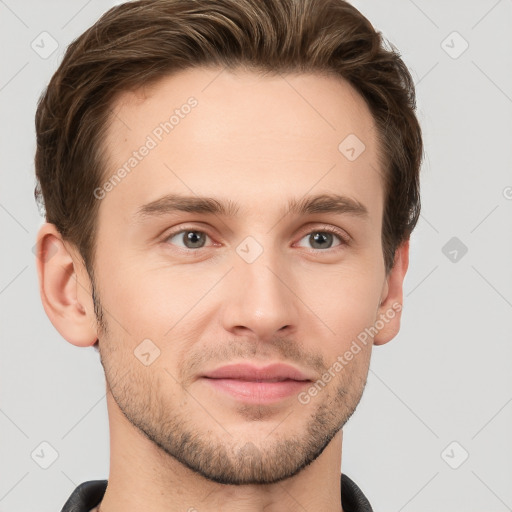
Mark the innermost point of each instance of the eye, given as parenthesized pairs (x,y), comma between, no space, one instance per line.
(322,239)
(190,238)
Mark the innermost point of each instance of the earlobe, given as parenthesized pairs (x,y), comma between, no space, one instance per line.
(66,300)
(390,309)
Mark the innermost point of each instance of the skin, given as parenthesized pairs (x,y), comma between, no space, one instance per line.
(259,141)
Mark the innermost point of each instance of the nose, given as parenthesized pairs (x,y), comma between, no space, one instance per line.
(259,298)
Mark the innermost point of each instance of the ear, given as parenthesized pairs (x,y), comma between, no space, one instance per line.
(64,287)
(390,310)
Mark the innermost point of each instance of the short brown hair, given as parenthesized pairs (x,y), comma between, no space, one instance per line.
(139,42)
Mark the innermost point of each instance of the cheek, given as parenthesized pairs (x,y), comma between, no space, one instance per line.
(346,296)
(149,299)
(155,302)
(345,309)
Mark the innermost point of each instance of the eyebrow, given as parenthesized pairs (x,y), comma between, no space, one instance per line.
(323,203)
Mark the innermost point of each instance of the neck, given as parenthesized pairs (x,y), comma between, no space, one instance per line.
(143,477)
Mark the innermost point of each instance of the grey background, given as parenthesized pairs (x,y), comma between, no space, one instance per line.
(445,378)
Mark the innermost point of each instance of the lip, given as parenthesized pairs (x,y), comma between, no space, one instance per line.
(249,372)
(252,384)
(257,392)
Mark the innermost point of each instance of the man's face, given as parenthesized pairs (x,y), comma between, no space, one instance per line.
(261,286)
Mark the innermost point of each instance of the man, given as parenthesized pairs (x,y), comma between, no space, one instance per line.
(230,187)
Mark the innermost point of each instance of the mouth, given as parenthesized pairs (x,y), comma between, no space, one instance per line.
(252,384)
(258,391)
(242,379)
(275,372)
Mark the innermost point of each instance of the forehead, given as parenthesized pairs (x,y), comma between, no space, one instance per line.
(210,131)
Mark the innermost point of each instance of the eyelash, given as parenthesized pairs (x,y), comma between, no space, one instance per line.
(344,239)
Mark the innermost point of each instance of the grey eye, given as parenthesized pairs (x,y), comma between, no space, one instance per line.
(321,239)
(190,239)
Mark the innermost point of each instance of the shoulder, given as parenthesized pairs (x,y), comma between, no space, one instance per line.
(86,496)
(352,497)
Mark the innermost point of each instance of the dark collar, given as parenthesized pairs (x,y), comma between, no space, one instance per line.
(89,494)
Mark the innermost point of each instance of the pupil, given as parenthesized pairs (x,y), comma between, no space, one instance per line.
(193,238)
(318,237)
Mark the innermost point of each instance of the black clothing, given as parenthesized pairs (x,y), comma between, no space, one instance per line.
(89,494)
